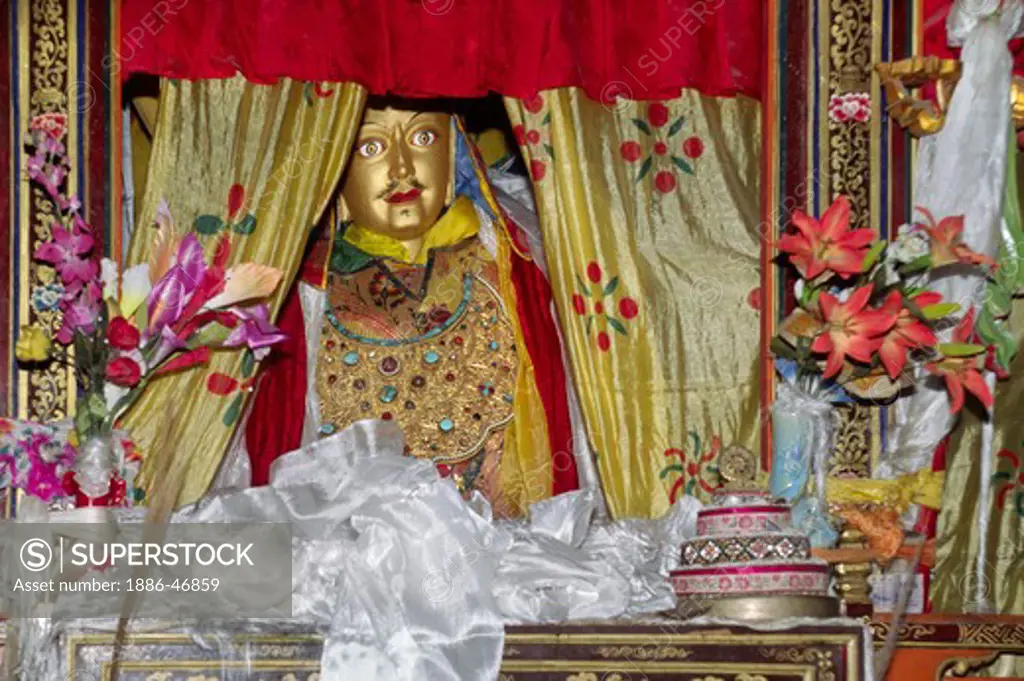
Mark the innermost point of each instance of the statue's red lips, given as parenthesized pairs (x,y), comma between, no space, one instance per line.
(404,197)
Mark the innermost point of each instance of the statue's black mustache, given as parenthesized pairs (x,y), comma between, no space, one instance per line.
(394,184)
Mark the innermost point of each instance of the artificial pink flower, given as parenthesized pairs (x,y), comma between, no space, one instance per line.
(42,482)
(167,300)
(64,252)
(191,261)
(255,331)
(80,314)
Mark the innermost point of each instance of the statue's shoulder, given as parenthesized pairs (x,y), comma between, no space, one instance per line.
(468,256)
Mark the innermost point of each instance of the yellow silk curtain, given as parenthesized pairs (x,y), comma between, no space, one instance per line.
(259,162)
(956,550)
(649,213)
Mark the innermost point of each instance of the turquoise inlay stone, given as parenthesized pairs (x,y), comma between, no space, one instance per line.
(351,358)
(388,394)
(431,357)
(446,425)
(493,345)
(327,429)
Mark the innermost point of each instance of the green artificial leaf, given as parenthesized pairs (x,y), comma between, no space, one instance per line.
(248,363)
(1013,235)
(999,300)
(617,325)
(645,168)
(781,348)
(871,257)
(307,93)
(960,349)
(208,224)
(212,335)
(997,334)
(939,310)
(610,287)
(646,129)
(683,165)
(590,323)
(97,406)
(234,411)
(83,422)
(677,126)
(246,225)
(550,150)
(584,289)
(918,265)
(547,119)
(142,316)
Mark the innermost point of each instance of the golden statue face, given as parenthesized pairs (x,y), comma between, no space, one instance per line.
(397,180)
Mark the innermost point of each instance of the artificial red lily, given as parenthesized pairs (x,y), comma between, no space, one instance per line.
(851,330)
(946,247)
(827,244)
(909,332)
(962,373)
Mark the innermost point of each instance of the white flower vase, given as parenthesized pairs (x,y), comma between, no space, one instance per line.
(801,441)
(96,466)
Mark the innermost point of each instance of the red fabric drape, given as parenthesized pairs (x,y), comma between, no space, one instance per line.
(935,43)
(639,49)
(533,305)
(279,406)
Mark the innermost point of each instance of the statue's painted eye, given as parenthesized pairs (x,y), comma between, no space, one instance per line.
(370,148)
(424,138)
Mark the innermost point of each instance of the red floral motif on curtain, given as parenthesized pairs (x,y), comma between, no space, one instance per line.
(598,305)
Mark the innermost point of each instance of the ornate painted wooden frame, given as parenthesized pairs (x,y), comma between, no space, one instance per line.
(59,59)
(825,51)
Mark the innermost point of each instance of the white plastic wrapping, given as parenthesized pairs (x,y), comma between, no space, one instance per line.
(961,171)
(408,581)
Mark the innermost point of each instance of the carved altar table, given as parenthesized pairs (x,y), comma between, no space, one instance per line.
(929,646)
(932,645)
(659,651)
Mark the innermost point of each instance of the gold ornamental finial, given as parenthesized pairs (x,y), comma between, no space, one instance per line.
(738,468)
(922,117)
(899,78)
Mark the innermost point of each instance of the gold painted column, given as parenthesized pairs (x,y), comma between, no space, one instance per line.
(46,58)
(848,157)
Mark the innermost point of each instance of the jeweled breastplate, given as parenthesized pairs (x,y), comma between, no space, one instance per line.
(430,347)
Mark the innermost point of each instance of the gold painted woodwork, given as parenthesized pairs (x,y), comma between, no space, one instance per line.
(852,584)
(48,50)
(294,657)
(922,117)
(849,37)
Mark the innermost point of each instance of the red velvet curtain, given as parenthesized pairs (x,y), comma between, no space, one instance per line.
(639,49)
